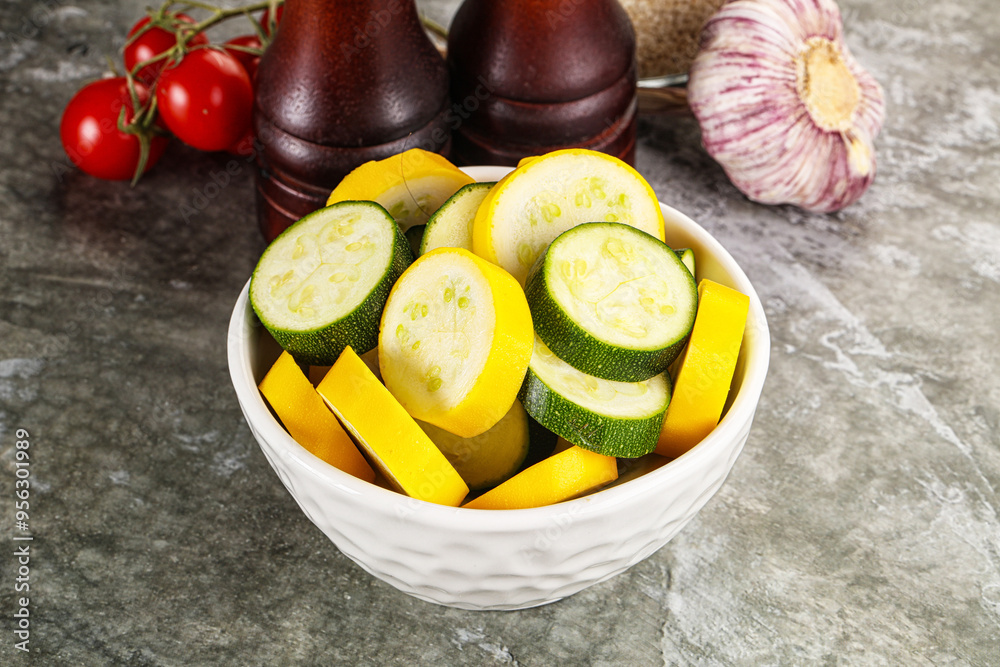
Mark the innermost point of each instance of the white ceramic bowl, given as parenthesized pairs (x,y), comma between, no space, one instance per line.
(479,559)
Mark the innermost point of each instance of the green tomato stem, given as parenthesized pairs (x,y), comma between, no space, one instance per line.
(143,122)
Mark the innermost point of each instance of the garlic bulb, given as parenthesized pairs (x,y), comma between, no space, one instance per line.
(782,104)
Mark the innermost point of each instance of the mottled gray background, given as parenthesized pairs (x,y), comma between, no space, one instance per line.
(859,527)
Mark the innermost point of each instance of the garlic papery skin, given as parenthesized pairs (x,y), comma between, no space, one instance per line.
(783,105)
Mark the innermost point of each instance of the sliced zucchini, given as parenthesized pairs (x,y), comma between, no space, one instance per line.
(611,418)
(402,452)
(612,301)
(455,341)
(563,476)
(410,185)
(489,458)
(687,258)
(544,197)
(322,284)
(451,225)
(541,443)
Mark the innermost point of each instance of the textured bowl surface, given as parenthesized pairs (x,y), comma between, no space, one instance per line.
(478,559)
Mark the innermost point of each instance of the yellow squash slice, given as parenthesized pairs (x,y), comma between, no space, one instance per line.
(488,458)
(308,420)
(706,368)
(547,195)
(455,341)
(410,185)
(562,476)
(403,453)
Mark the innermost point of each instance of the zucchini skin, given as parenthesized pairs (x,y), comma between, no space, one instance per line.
(581,349)
(436,220)
(541,443)
(359,328)
(612,436)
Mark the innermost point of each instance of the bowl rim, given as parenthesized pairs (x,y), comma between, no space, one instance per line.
(380,500)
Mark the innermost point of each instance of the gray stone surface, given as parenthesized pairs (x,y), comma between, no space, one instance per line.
(859,526)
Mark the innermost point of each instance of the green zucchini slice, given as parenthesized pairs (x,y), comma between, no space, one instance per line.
(612,301)
(321,285)
(612,418)
(451,225)
(687,258)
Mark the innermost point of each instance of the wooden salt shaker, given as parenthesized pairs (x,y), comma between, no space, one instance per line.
(343,82)
(530,76)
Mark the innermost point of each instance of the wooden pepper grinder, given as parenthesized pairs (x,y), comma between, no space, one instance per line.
(531,76)
(343,82)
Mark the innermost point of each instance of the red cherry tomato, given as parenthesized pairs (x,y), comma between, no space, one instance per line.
(248,60)
(206,99)
(90,134)
(265,19)
(152,43)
